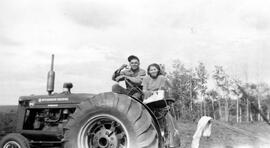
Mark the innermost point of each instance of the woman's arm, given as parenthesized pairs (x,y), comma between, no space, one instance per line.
(146,91)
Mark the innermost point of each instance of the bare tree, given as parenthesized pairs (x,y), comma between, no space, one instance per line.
(202,77)
(222,82)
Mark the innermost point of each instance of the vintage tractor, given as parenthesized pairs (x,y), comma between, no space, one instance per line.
(79,120)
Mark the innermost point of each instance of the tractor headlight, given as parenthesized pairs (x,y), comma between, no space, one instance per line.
(32,103)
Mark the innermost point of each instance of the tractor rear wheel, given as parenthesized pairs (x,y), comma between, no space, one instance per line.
(14,140)
(111,120)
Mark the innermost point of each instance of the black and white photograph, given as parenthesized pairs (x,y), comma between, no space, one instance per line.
(135,74)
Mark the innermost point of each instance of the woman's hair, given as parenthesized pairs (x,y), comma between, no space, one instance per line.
(157,67)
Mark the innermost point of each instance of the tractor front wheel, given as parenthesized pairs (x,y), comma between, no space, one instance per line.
(14,140)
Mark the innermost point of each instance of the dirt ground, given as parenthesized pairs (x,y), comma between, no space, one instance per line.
(223,137)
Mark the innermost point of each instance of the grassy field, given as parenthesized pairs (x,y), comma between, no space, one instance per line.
(7,108)
(7,119)
(223,137)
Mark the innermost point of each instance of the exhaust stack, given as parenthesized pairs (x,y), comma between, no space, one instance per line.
(50,78)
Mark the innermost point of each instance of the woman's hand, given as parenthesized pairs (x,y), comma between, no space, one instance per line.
(147,94)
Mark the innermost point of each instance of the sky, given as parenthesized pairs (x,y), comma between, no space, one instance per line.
(92,38)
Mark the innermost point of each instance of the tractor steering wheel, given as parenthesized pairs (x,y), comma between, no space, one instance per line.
(134,91)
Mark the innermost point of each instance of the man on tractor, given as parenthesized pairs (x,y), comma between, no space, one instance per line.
(132,76)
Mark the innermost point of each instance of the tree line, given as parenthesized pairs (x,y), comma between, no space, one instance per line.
(224,101)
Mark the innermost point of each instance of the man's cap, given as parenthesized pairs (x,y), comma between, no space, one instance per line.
(133,57)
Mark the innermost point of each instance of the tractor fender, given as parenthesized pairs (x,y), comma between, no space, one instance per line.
(152,115)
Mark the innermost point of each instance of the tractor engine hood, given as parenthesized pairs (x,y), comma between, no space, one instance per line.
(54,100)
